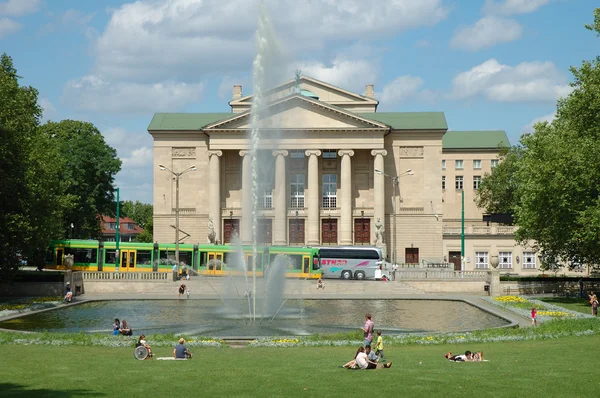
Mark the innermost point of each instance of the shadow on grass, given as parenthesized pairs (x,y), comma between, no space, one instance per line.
(20,390)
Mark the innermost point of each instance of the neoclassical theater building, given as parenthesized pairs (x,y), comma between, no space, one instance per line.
(331,162)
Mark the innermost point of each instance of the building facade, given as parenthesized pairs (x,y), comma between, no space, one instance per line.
(331,171)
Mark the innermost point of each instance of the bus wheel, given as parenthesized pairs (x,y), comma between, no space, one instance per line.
(359,275)
(346,274)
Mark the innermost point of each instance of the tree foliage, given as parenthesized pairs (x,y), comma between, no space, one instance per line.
(90,166)
(31,203)
(552,181)
(142,214)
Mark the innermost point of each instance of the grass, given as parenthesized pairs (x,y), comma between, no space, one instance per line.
(571,303)
(549,368)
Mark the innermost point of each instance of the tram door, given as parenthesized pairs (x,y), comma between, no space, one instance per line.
(305,266)
(214,264)
(60,253)
(128,260)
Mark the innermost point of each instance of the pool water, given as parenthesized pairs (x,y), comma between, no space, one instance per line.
(293,318)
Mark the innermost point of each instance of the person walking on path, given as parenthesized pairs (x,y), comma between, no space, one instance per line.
(368,330)
(379,347)
(533,317)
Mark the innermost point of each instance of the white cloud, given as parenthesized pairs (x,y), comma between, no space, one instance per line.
(487,32)
(346,73)
(19,7)
(163,39)
(401,88)
(69,19)
(96,94)
(8,26)
(49,111)
(139,157)
(512,7)
(527,81)
(528,128)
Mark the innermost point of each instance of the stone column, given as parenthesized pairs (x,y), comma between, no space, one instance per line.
(379,196)
(495,287)
(214,188)
(313,202)
(346,197)
(279,229)
(246,198)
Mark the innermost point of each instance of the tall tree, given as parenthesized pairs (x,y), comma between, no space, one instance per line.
(31,200)
(90,166)
(139,212)
(556,176)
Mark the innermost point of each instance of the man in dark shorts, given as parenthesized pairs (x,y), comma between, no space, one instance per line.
(181,290)
(180,351)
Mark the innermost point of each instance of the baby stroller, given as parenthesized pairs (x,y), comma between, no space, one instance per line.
(68,297)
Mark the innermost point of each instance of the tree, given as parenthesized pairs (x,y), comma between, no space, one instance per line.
(552,181)
(142,214)
(31,200)
(90,166)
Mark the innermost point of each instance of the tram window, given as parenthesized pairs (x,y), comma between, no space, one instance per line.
(185,258)
(85,256)
(203,259)
(167,257)
(229,258)
(144,257)
(110,257)
(259,264)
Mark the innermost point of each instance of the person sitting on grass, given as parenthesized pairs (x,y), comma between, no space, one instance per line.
(142,342)
(363,362)
(371,356)
(125,329)
(116,327)
(352,363)
(180,351)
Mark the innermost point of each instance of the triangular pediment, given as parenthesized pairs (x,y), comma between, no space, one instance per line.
(299,112)
(324,91)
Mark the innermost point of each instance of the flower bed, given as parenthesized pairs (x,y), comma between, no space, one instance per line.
(545,311)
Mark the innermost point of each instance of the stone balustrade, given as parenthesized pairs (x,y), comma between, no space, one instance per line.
(480,230)
(127,276)
(441,274)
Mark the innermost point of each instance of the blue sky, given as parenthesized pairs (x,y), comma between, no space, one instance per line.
(488,64)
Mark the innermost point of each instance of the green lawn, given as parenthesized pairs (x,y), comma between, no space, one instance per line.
(570,303)
(546,368)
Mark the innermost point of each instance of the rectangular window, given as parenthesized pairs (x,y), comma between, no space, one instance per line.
(265,196)
(329,191)
(476,182)
(144,257)
(481,259)
(297,191)
(443,165)
(505,260)
(458,183)
(458,164)
(494,163)
(476,164)
(329,154)
(112,225)
(296,154)
(130,226)
(528,260)
(83,256)
(443,182)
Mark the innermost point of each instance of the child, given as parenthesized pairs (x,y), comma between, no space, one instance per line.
(595,307)
(116,327)
(379,346)
(533,317)
(188,292)
(320,284)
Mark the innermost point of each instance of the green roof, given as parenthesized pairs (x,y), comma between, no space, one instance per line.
(410,120)
(487,139)
(185,121)
(396,120)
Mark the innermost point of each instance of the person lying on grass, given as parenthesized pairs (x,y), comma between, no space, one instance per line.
(467,357)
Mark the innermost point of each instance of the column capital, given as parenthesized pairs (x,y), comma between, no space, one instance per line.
(311,152)
(215,153)
(376,152)
(282,152)
(245,153)
(343,152)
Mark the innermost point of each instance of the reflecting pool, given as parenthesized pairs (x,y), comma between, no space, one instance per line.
(293,318)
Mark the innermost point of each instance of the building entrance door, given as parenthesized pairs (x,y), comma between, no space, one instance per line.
(329,231)
(411,255)
(362,231)
(296,233)
(231,228)
(454,258)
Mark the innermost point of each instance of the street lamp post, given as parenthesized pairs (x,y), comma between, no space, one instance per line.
(177,175)
(395,183)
